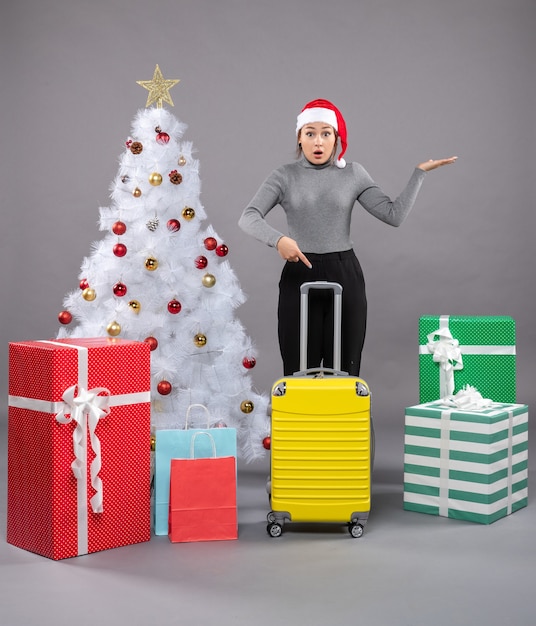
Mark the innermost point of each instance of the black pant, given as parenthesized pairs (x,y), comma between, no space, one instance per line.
(340,267)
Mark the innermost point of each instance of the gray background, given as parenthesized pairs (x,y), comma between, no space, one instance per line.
(415,80)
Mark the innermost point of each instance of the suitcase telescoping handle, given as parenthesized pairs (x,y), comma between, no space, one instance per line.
(337,320)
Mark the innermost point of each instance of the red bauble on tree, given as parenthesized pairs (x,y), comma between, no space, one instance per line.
(210,243)
(222,250)
(266,443)
(173,225)
(65,317)
(119,228)
(119,289)
(249,362)
(164,388)
(120,249)
(174,307)
(201,262)
(84,284)
(152,341)
(162,138)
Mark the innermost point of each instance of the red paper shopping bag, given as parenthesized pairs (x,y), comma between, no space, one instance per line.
(202,498)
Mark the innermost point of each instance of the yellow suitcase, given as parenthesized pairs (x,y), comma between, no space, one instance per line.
(321,440)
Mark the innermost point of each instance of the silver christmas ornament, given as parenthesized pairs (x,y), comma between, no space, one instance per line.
(153,223)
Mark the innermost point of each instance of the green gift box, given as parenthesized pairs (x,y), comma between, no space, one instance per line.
(455,351)
(466,464)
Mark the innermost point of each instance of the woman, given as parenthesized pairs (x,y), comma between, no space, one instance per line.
(318,193)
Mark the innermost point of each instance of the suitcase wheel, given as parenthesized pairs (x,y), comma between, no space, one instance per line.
(271,517)
(355,530)
(274,530)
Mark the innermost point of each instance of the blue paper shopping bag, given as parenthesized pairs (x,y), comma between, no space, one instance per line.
(175,444)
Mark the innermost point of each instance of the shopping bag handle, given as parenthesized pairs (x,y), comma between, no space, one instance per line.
(202,406)
(192,443)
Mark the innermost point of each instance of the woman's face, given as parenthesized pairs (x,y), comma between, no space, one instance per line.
(318,142)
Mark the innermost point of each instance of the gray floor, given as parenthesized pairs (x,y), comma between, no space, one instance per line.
(407,568)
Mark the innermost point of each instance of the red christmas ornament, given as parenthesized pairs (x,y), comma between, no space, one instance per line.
(249,362)
(266,443)
(201,262)
(153,343)
(119,228)
(174,307)
(120,249)
(164,387)
(84,284)
(65,317)
(120,289)
(173,225)
(162,138)
(222,250)
(210,243)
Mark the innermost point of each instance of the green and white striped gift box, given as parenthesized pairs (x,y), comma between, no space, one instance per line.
(468,465)
(458,350)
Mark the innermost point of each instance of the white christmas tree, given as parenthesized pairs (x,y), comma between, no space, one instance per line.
(160,276)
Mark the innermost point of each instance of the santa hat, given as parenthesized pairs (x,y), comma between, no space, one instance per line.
(324,111)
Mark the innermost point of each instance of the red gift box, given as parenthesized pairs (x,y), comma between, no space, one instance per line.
(79,460)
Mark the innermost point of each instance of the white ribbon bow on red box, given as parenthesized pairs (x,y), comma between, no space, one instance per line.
(86,408)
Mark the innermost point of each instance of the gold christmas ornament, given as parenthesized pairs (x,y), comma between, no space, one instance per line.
(137,192)
(208,280)
(113,329)
(155,179)
(181,161)
(151,264)
(247,406)
(153,443)
(135,306)
(89,294)
(200,340)
(158,89)
(188,213)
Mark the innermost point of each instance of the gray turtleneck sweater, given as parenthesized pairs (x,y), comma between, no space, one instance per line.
(318,201)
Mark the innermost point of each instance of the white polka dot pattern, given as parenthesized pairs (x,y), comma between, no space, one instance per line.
(492,373)
(42,490)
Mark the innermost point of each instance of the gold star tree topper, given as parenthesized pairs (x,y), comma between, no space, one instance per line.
(158,89)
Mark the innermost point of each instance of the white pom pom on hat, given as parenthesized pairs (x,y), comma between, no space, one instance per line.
(324,111)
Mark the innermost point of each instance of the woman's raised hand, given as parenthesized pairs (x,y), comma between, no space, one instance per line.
(432,164)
